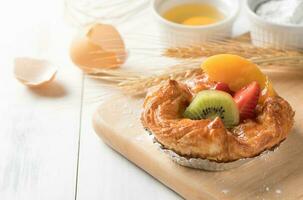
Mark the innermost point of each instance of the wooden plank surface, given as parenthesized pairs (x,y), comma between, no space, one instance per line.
(39,127)
(274,176)
(103,173)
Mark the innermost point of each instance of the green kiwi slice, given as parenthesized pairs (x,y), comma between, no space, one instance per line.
(209,104)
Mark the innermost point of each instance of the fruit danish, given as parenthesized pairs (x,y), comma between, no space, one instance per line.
(228,113)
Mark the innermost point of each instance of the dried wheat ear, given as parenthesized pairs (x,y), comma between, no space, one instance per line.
(269,59)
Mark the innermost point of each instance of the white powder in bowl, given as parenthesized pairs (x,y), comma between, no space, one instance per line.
(282,11)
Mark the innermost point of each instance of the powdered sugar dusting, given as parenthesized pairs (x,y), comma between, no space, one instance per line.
(225,191)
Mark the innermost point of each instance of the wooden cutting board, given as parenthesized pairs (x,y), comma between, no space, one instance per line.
(278,175)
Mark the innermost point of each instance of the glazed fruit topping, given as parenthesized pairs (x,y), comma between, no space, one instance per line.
(247,99)
(233,70)
(223,87)
(237,72)
(210,104)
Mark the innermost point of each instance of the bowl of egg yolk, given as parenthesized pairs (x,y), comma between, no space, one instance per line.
(194,21)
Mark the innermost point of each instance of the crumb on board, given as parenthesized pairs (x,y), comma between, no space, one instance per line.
(225,191)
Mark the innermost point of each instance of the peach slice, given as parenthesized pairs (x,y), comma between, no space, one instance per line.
(237,72)
(233,70)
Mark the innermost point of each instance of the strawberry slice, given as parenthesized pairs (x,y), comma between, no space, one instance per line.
(247,100)
(223,87)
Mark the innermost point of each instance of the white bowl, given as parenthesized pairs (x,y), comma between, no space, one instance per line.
(269,34)
(174,34)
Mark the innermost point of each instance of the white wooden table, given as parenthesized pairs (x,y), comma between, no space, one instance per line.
(48,149)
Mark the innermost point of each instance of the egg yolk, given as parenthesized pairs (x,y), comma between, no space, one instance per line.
(199,20)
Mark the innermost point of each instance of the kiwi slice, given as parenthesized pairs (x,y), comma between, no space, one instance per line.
(209,104)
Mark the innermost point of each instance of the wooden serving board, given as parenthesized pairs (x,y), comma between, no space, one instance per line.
(278,175)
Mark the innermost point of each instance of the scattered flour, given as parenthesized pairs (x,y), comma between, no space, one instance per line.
(225,191)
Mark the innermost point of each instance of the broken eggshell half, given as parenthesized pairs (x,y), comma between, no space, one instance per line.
(34,72)
(100,47)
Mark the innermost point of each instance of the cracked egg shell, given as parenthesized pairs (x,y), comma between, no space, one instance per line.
(101,47)
(34,72)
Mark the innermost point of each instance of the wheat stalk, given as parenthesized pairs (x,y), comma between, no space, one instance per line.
(136,85)
(191,58)
(230,46)
(140,86)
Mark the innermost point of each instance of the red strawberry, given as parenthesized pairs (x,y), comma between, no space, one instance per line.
(223,87)
(247,100)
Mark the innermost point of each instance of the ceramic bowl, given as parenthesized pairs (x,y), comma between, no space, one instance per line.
(268,34)
(174,34)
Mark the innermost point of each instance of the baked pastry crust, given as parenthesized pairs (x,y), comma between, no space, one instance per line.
(209,139)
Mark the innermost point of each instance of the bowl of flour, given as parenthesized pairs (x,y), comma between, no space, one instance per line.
(276,23)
